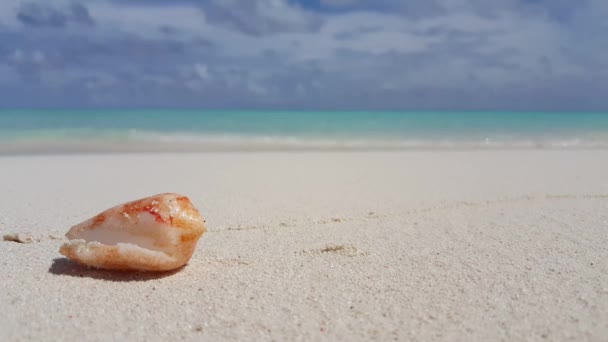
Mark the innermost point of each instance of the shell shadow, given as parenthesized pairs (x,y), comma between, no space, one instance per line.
(65,267)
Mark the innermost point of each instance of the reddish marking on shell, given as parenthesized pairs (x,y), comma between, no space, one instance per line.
(186,210)
(184,204)
(97,220)
(188,237)
(132,208)
(183,201)
(143,205)
(154,212)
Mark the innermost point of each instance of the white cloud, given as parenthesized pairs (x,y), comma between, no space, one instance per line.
(338,3)
(272,49)
(8,11)
(202,71)
(38,57)
(146,21)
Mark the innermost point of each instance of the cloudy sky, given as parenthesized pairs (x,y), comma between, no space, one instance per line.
(288,54)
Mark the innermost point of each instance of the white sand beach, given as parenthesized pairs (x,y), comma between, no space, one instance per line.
(412,245)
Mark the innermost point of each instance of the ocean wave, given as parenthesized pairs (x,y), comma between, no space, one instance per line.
(378,142)
(150,141)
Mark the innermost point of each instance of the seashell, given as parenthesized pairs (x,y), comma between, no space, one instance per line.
(19,237)
(157,233)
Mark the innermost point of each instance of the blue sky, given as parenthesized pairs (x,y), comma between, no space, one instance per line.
(323,54)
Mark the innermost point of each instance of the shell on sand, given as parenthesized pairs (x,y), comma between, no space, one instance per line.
(157,233)
(19,237)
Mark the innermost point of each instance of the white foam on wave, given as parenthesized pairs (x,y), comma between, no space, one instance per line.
(134,140)
(292,142)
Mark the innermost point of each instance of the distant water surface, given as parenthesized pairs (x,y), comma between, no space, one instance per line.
(179,130)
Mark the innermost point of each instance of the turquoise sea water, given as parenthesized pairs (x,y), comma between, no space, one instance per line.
(202,130)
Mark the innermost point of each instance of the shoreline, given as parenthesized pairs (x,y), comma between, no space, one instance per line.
(11,149)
